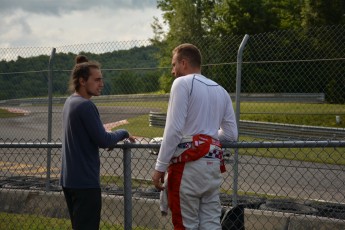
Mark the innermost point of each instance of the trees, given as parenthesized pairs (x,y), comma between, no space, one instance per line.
(215,26)
(185,20)
(279,31)
(28,77)
(322,12)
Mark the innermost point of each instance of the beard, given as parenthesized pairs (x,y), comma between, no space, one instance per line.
(93,93)
(178,74)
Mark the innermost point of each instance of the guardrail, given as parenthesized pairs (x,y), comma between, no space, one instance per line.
(271,130)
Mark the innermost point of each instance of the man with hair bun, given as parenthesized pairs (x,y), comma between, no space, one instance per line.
(83,135)
(200,115)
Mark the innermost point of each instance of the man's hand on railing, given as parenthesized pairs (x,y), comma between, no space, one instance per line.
(130,139)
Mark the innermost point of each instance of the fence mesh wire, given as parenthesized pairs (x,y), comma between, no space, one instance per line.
(292,89)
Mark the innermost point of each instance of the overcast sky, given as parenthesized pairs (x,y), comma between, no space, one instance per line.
(51,23)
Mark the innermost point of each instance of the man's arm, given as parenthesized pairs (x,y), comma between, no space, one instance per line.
(175,122)
(176,116)
(228,130)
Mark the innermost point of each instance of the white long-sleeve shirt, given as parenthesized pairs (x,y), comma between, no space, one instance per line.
(197,105)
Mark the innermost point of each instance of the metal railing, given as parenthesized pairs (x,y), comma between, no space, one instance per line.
(19,151)
(271,130)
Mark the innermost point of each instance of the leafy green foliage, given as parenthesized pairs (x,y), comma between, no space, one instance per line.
(28,77)
(211,25)
(279,61)
(322,12)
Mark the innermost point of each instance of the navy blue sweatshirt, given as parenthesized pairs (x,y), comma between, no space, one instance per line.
(83,135)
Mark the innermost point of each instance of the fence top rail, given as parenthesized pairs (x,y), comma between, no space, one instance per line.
(240,144)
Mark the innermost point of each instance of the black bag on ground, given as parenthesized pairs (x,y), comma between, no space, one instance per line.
(233,219)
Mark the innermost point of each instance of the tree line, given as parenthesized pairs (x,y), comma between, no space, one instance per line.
(280,30)
(295,46)
(28,77)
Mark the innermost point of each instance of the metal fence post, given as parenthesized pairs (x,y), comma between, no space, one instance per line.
(238,77)
(238,92)
(50,114)
(127,188)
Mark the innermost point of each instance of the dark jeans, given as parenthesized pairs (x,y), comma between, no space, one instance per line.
(84,206)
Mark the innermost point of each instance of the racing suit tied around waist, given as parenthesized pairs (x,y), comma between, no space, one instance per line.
(192,149)
(201,146)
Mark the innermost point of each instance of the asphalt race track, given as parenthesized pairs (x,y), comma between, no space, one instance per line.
(256,174)
(34,125)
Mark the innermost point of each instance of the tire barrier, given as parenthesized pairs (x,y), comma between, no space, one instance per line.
(251,202)
(19,182)
(323,209)
(43,186)
(29,183)
(233,218)
(4,182)
(328,209)
(23,178)
(17,185)
(288,206)
(113,189)
(150,193)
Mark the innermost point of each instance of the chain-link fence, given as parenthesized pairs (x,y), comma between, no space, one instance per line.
(274,187)
(287,170)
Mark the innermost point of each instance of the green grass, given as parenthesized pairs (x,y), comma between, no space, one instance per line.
(27,222)
(294,113)
(6,114)
(119,181)
(291,108)
(290,113)
(139,126)
(317,155)
(162,105)
(11,221)
(305,119)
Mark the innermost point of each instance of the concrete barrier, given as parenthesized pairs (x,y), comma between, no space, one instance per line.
(312,222)
(259,219)
(51,204)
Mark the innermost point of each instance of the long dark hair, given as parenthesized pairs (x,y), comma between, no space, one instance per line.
(81,70)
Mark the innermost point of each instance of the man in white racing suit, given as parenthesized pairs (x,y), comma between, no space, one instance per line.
(199,116)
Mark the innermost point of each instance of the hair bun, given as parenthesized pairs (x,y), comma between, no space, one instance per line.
(81,59)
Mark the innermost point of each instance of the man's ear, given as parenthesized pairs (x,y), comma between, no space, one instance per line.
(184,63)
(82,82)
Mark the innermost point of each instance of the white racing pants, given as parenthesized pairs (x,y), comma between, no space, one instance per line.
(193,188)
